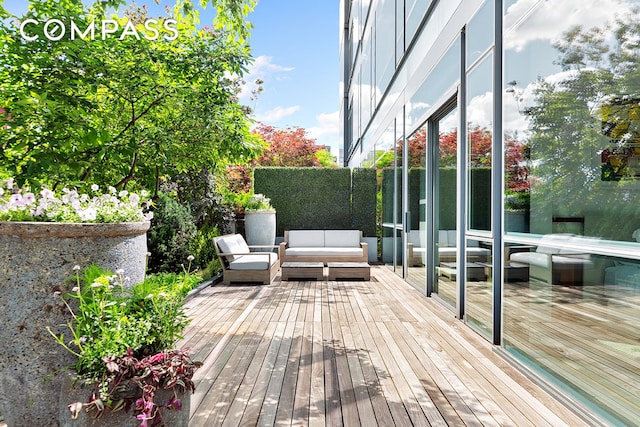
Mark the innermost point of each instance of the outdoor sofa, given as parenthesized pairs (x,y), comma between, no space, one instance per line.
(323,246)
(553,262)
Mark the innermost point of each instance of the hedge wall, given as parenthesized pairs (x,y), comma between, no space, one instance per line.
(480,190)
(319,198)
(363,201)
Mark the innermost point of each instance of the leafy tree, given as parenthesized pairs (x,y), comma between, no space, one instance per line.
(287,147)
(123,110)
(283,147)
(566,125)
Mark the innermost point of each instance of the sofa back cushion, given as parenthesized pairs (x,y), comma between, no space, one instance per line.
(342,238)
(305,238)
(233,243)
(447,238)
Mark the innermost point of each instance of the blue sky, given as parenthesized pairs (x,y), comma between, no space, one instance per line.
(295,46)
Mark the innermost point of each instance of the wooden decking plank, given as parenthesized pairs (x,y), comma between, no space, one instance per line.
(301,402)
(213,409)
(269,408)
(333,411)
(257,398)
(317,396)
(286,400)
(345,385)
(365,411)
(243,394)
(357,353)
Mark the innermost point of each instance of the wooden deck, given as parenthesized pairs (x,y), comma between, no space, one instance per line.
(350,353)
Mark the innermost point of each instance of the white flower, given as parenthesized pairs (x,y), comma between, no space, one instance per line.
(134,198)
(123,193)
(112,190)
(75,289)
(190,258)
(76,267)
(47,194)
(1,192)
(29,198)
(9,183)
(96,285)
(95,187)
(16,200)
(120,271)
(88,214)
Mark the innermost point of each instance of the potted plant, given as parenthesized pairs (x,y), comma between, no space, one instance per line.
(43,234)
(126,371)
(260,221)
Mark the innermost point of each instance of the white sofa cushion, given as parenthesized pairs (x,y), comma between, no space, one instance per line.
(342,238)
(259,261)
(533,258)
(447,238)
(323,251)
(233,244)
(306,238)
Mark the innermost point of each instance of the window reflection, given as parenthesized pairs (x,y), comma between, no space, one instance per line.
(572,184)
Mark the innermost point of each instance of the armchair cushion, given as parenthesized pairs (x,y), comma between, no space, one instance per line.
(255,261)
(233,244)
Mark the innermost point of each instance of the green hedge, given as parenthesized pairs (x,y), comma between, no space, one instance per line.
(319,198)
(363,201)
(480,192)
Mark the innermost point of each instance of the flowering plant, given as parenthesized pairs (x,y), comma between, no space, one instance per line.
(20,204)
(258,202)
(121,334)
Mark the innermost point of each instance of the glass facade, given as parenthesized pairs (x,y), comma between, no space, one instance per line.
(507,139)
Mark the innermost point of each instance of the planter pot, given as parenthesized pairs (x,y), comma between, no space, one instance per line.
(70,393)
(260,228)
(36,260)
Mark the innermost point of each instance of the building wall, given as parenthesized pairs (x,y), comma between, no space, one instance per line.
(533,109)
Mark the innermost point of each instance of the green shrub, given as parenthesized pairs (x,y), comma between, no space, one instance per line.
(169,240)
(111,319)
(203,248)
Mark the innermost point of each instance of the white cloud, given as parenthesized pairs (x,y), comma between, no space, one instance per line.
(327,124)
(264,69)
(276,114)
(550,19)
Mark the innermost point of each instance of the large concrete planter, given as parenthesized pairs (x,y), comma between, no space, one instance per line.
(260,227)
(36,260)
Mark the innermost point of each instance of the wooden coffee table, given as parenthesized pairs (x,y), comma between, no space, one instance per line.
(302,270)
(349,270)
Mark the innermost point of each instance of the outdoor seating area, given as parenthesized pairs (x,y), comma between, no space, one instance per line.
(364,353)
(323,246)
(240,264)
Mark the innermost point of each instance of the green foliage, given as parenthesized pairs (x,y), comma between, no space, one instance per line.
(203,248)
(363,201)
(257,202)
(110,319)
(318,198)
(122,333)
(171,234)
(122,112)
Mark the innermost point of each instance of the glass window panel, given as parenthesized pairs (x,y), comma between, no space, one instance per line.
(444,75)
(479,286)
(480,32)
(385,45)
(417,204)
(479,144)
(572,181)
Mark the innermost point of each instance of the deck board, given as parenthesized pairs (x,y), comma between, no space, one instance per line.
(350,353)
